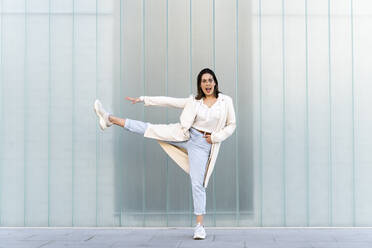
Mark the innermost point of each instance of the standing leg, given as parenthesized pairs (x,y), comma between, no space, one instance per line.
(198,163)
(198,150)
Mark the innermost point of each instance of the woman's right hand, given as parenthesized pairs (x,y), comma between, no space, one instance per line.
(133,100)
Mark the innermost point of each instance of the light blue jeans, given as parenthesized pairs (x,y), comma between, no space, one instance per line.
(198,150)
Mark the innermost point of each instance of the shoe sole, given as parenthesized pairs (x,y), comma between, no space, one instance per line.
(102,123)
(197,238)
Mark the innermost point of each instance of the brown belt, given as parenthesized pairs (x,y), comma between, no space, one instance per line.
(203,132)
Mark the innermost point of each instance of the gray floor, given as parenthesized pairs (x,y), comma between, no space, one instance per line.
(181,237)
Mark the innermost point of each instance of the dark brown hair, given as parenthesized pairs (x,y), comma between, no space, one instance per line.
(200,91)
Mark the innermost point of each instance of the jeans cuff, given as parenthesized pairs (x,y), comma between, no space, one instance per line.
(127,124)
(201,213)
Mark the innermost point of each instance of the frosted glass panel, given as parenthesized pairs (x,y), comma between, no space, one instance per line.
(298,72)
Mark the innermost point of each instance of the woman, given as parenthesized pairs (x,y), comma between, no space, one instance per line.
(206,120)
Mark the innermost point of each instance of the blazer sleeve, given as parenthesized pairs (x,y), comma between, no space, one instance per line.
(164,101)
(230,126)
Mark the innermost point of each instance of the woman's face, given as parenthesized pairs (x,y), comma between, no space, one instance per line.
(207,84)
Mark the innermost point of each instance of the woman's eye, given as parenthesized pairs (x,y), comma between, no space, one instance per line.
(209,80)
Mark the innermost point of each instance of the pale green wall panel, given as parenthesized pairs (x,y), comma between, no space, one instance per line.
(154,84)
(295,131)
(272,165)
(107,76)
(245,109)
(319,147)
(14,6)
(84,166)
(132,144)
(36,121)
(60,174)
(178,85)
(13,130)
(363,113)
(341,71)
(225,66)
(1,103)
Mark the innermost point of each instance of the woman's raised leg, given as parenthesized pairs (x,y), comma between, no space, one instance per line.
(116,120)
(134,125)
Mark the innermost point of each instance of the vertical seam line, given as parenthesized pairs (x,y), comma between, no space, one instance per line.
(237,115)
(284,118)
(260,114)
(1,110)
(97,135)
(353,109)
(166,92)
(49,105)
(307,121)
(144,90)
(190,55)
(25,101)
(122,164)
(330,119)
(73,108)
(214,69)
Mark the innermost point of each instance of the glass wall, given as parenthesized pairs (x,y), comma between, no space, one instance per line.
(298,72)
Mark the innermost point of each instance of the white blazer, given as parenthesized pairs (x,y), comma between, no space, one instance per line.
(180,131)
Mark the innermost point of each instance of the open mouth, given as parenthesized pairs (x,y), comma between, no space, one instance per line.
(208,90)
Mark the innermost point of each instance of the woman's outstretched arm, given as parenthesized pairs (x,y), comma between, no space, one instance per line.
(163,101)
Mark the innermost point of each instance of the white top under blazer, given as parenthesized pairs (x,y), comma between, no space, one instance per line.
(207,117)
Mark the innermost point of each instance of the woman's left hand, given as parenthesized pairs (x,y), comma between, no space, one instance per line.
(208,138)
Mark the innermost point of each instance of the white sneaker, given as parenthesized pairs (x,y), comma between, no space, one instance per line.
(199,232)
(102,114)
